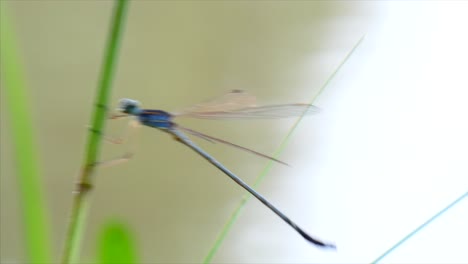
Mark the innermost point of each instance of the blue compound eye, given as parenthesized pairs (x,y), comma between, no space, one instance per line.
(128,106)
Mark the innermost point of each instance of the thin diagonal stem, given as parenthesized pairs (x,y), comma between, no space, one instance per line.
(84,183)
(236,213)
(419,228)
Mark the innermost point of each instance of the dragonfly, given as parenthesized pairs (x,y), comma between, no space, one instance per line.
(236,104)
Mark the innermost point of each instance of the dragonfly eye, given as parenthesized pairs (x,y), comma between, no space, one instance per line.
(128,106)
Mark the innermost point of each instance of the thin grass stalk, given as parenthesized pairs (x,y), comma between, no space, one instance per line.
(236,213)
(84,182)
(419,228)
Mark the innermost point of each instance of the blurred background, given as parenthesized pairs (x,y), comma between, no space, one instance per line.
(386,153)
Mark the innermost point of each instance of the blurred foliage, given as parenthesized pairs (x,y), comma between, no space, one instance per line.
(15,96)
(116,244)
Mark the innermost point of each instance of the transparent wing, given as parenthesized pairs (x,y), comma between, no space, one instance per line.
(213,140)
(229,101)
(238,104)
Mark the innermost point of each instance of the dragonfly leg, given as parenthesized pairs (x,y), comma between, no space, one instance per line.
(115,161)
(127,137)
(116,116)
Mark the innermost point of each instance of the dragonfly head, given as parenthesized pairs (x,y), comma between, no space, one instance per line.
(129,106)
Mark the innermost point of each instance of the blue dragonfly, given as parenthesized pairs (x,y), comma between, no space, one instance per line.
(235,104)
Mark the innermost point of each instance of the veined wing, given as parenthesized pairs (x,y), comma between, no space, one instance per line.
(213,140)
(259,112)
(238,104)
(232,100)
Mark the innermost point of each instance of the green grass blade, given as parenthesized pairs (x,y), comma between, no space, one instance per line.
(116,245)
(84,184)
(236,213)
(35,230)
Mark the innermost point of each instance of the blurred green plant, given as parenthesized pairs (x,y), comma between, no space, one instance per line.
(18,112)
(84,182)
(116,245)
(236,213)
